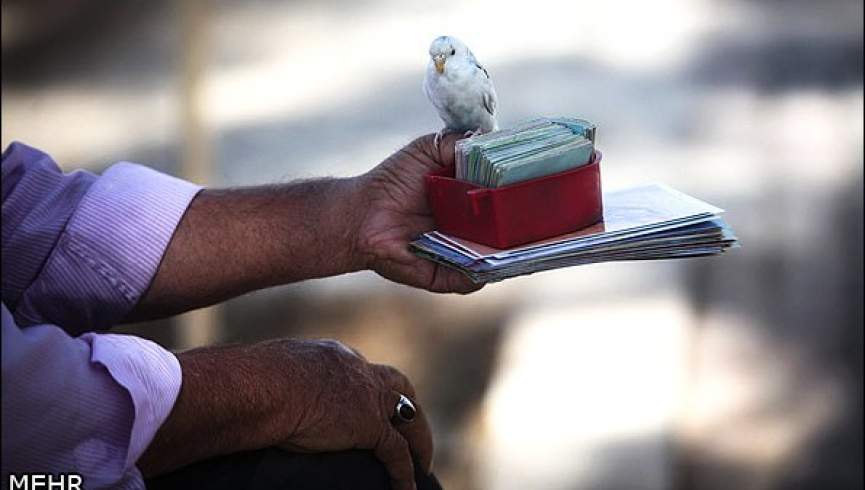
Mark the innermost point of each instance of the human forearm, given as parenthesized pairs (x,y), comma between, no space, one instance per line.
(219,410)
(236,240)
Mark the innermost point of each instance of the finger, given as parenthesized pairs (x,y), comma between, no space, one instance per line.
(417,433)
(395,379)
(338,346)
(393,451)
(446,149)
(442,152)
(448,280)
(428,275)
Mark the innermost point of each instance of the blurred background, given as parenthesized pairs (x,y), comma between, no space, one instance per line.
(742,371)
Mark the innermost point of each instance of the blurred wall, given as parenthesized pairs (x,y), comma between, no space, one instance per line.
(742,371)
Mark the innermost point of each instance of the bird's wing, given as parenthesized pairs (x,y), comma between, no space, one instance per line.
(488,92)
(481,68)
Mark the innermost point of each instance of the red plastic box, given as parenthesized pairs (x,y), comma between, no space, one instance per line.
(519,213)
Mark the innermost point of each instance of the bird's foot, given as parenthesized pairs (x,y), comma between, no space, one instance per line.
(437,139)
(470,133)
(440,136)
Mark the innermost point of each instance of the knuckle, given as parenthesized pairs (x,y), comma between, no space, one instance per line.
(390,446)
(394,373)
(396,379)
(336,348)
(393,451)
(331,344)
(424,141)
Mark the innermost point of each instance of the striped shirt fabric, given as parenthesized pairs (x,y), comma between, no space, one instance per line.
(78,252)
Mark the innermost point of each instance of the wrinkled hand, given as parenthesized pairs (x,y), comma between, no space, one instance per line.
(397,213)
(338,401)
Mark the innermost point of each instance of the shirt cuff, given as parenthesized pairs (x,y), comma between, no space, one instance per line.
(110,250)
(150,374)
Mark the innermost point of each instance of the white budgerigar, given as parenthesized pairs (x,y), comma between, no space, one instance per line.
(460,88)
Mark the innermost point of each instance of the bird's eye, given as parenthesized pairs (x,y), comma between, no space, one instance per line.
(453,51)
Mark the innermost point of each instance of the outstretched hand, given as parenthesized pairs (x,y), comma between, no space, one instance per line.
(397,212)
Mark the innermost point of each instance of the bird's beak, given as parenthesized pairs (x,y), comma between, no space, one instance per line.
(439,61)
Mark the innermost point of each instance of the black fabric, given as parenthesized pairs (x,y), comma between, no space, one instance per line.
(274,469)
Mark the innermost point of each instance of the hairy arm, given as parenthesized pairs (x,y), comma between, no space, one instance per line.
(237,240)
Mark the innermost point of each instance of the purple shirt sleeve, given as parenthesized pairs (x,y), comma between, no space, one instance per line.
(78,252)
(88,405)
(81,249)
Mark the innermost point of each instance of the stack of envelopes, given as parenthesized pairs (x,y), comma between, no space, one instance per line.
(643,223)
(532,149)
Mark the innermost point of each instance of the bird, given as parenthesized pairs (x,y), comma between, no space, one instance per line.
(460,88)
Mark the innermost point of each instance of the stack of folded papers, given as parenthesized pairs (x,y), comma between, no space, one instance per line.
(643,223)
(532,149)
